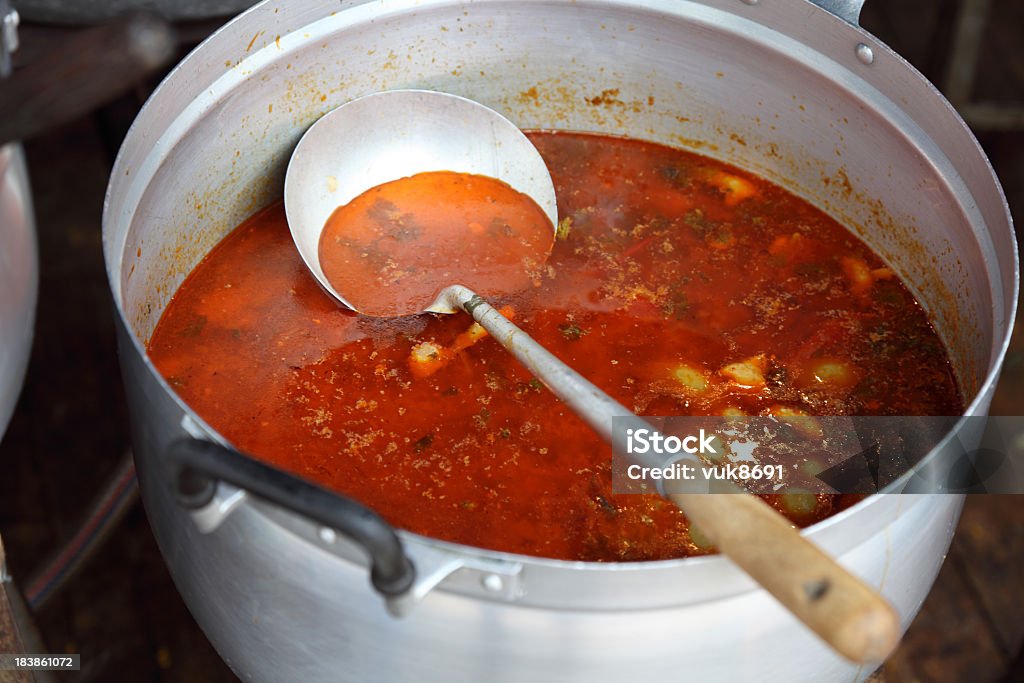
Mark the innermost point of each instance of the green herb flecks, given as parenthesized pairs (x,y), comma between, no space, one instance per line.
(563,228)
(572,332)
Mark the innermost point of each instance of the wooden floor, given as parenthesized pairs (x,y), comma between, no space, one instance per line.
(972,625)
(122,612)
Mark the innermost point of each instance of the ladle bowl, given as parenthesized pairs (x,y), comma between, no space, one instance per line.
(394,134)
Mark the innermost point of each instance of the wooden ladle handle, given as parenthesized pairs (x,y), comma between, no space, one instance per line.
(846,613)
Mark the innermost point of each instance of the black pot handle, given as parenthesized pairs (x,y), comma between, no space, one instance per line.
(197,466)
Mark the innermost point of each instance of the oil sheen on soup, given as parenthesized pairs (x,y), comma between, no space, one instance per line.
(677,284)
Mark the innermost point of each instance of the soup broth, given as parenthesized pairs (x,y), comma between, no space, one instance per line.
(677,284)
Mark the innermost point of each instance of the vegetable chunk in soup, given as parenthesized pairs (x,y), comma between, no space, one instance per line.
(679,285)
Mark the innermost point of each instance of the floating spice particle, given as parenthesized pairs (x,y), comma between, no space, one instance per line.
(494,381)
(608,507)
(481,418)
(678,306)
(423,443)
(721,237)
(194,328)
(810,271)
(572,332)
(498,227)
(776,375)
(695,219)
(368,406)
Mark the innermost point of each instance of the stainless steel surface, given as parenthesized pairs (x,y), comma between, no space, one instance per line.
(19,277)
(776,87)
(9,21)
(19,268)
(390,135)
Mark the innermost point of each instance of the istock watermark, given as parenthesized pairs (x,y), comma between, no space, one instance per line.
(858,455)
(650,440)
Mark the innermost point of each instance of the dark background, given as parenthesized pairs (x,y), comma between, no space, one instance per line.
(122,612)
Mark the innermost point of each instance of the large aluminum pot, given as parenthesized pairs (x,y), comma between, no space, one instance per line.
(782,87)
(19,277)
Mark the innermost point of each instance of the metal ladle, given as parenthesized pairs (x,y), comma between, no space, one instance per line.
(397,133)
(394,134)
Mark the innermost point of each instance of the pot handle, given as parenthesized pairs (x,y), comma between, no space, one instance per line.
(847,10)
(197,465)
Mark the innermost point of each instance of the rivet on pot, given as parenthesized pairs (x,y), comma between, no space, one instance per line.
(492,583)
(751,2)
(864,53)
(328,535)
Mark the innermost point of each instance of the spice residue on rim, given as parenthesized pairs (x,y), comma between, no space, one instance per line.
(391,250)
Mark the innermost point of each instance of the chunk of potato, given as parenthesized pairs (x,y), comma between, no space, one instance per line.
(799,418)
(786,245)
(857,273)
(426,358)
(799,502)
(736,189)
(812,467)
(690,377)
(425,352)
(733,411)
(748,372)
(833,373)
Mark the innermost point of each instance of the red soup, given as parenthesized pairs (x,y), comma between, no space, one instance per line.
(679,285)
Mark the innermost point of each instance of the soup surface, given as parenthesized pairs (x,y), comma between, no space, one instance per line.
(679,285)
